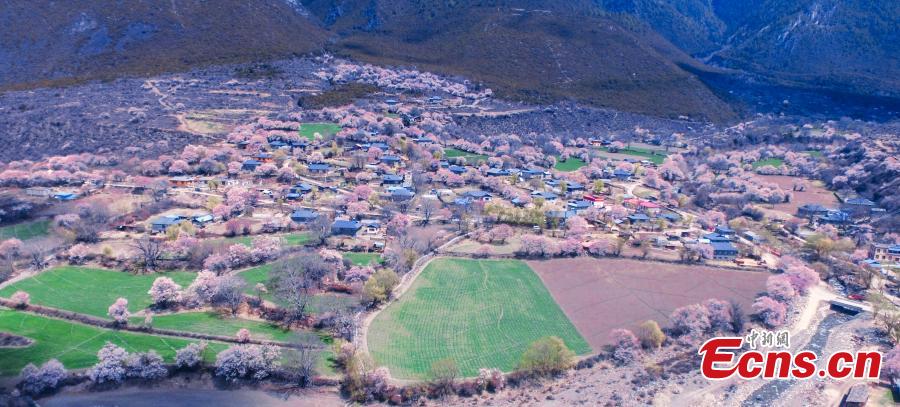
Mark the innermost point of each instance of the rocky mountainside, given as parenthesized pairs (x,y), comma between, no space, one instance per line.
(852,45)
(845,45)
(46,42)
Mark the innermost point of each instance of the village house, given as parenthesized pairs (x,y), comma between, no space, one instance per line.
(547,196)
(65,196)
(182,181)
(370,226)
(724,230)
(532,173)
(162,223)
(391,160)
(621,174)
(723,250)
(480,195)
(345,227)
(250,165)
(319,168)
(391,179)
(497,172)
(264,157)
(811,210)
(886,253)
(304,216)
(580,206)
(401,194)
(202,220)
(716,238)
(835,218)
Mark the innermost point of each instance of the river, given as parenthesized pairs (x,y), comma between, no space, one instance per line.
(155,397)
(772,391)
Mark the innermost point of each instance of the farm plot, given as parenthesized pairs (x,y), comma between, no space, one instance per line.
(774,162)
(309,130)
(569,165)
(213,323)
(471,158)
(815,193)
(655,156)
(76,345)
(25,230)
(89,290)
(363,259)
(600,295)
(479,313)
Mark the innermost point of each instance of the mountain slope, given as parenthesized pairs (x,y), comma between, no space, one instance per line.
(538,51)
(58,42)
(844,45)
(852,45)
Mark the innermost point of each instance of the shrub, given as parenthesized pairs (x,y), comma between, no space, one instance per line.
(379,286)
(118,311)
(36,380)
(247,361)
(165,292)
(626,347)
(490,379)
(691,320)
(780,288)
(190,356)
(651,335)
(442,375)
(111,366)
(547,356)
(770,312)
(20,299)
(145,365)
(720,318)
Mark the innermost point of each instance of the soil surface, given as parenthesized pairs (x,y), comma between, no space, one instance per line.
(600,295)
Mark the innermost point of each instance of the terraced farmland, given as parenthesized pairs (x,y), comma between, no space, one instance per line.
(76,345)
(480,313)
(91,290)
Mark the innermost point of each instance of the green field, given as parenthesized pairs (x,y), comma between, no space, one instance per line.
(212,323)
(572,164)
(480,313)
(76,345)
(309,130)
(775,162)
(655,156)
(363,259)
(91,291)
(471,158)
(25,230)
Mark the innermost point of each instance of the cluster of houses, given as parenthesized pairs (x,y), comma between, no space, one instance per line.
(851,211)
